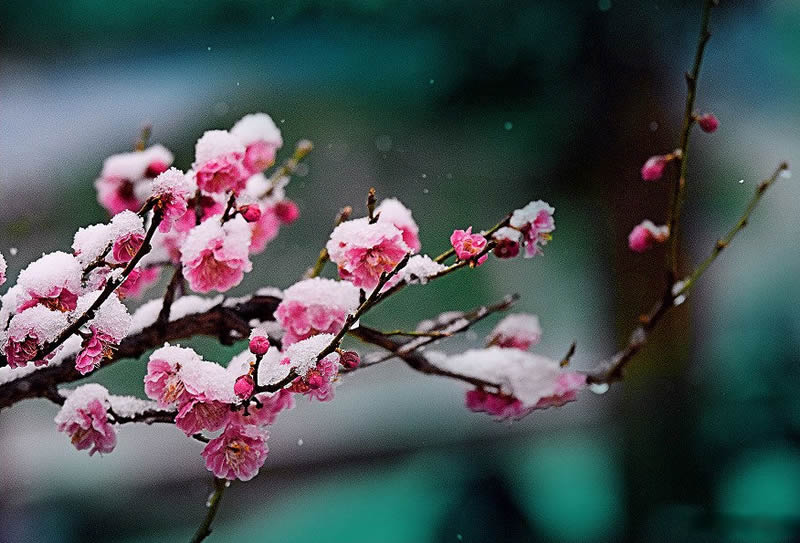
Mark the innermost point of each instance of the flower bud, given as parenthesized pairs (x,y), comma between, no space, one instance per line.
(287,211)
(250,212)
(259,345)
(244,386)
(708,122)
(350,359)
(653,169)
(155,168)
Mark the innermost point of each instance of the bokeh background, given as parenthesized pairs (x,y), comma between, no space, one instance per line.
(463,110)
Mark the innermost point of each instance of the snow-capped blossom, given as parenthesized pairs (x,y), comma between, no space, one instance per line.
(238,453)
(54,281)
(208,204)
(126,247)
(364,251)
(708,122)
(259,342)
(108,327)
(287,211)
(163,383)
(173,189)
(517,331)
(506,242)
(3,267)
(262,138)
(318,382)
(30,330)
(302,356)
(117,184)
(265,229)
(270,370)
(536,223)
(468,245)
(420,269)
(215,256)
(394,212)
(250,212)
(653,168)
(500,406)
(90,242)
(350,360)
(209,393)
(533,380)
(645,235)
(314,306)
(137,281)
(261,188)
(218,163)
(84,418)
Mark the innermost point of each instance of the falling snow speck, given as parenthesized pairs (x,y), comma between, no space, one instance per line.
(741,181)
(425,191)
(209,48)
(653,126)
(604,5)
(508,125)
(300,442)
(431,81)
(786,173)
(679,300)
(599,388)
(12,251)
(424,175)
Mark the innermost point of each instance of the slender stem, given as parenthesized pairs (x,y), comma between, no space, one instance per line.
(372,199)
(612,369)
(302,148)
(212,506)
(324,257)
(229,209)
(679,188)
(415,333)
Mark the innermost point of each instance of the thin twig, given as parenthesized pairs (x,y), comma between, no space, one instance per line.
(212,505)
(169,298)
(302,148)
(324,257)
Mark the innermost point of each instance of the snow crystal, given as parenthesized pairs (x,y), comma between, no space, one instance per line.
(209,379)
(133,166)
(56,269)
(173,181)
(147,314)
(303,354)
(130,406)
(326,292)
(257,127)
(519,325)
(214,144)
(126,222)
(111,318)
(507,234)
(235,235)
(419,269)
(45,324)
(90,242)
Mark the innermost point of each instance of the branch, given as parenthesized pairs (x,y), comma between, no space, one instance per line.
(226,323)
(204,530)
(323,258)
(302,148)
(611,370)
(688,121)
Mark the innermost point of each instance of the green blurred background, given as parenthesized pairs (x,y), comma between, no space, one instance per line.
(463,110)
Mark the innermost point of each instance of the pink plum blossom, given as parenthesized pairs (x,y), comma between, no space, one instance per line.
(84,418)
(468,246)
(536,223)
(218,163)
(244,386)
(645,235)
(259,342)
(318,382)
(518,331)
(267,412)
(238,452)
(315,306)
(54,281)
(394,212)
(28,331)
(3,267)
(262,139)
(173,189)
(107,328)
(287,211)
(137,281)
(507,242)
(163,381)
(350,360)
(215,256)
(363,251)
(118,183)
(250,212)
(265,229)
(94,349)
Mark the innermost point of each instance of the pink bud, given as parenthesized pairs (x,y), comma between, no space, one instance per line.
(645,235)
(315,379)
(259,345)
(350,359)
(287,211)
(708,122)
(251,212)
(244,386)
(155,168)
(653,169)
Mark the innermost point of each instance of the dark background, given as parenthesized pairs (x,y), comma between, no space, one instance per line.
(463,110)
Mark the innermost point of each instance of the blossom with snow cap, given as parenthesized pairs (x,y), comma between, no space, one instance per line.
(534,381)
(238,452)
(108,327)
(209,393)
(506,242)
(302,356)
(536,223)
(517,331)
(54,281)
(117,184)
(163,381)
(645,235)
(127,229)
(173,189)
(215,256)
(265,229)
(30,330)
(314,306)
(3,268)
(394,212)
(363,251)
(218,163)
(84,418)
(261,137)
(268,405)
